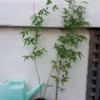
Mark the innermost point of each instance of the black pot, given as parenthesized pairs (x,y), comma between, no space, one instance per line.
(40,99)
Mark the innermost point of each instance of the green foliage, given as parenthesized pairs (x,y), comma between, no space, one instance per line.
(48,2)
(37,21)
(62,89)
(55,7)
(35,54)
(26,31)
(72,39)
(66,45)
(73,16)
(71,19)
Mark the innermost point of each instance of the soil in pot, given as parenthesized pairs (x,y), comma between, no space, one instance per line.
(40,99)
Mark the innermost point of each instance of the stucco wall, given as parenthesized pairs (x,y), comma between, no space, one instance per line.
(12,64)
(18,12)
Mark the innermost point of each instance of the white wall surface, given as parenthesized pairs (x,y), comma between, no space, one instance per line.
(13,66)
(18,12)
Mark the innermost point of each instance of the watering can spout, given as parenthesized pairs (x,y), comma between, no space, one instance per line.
(34,90)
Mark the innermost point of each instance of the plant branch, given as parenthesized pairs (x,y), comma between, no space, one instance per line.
(35,45)
(47,83)
(38,77)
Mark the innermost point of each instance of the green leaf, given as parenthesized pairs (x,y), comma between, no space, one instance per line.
(55,7)
(80,54)
(48,2)
(44,50)
(84,2)
(69,1)
(23,34)
(49,85)
(46,12)
(62,89)
(26,58)
(62,39)
(53,61)
(56,78)
(38,35)
(68,65)
(54,64)
(65,11)
(29,40)
(26,31)
(38,53)
(66,72)
(40,12)
(31,57)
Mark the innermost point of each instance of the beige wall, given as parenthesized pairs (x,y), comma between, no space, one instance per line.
(18,12)
(13,66)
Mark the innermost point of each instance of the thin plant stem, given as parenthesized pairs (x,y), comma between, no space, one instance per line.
(56,97)
(36,40)
(57,83)
(57,86)
(47,83)
(45,90)
(33,6)
(38,76)
(35,59)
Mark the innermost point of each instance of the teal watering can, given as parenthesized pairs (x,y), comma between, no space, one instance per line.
(16,90)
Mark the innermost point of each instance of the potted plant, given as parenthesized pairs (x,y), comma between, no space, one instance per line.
(37,20)
(66,45)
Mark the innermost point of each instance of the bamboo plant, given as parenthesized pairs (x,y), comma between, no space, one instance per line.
(37,19)
(66,46)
